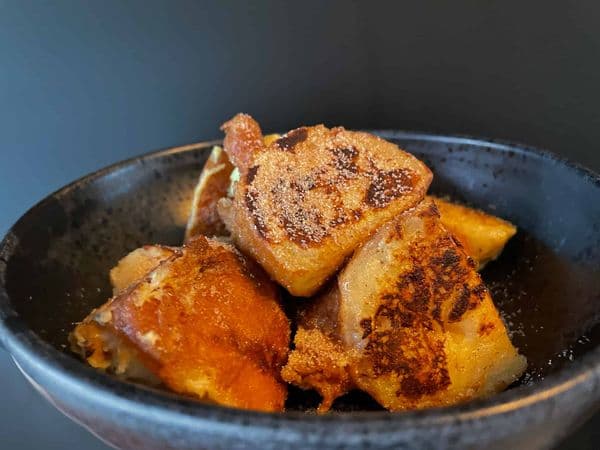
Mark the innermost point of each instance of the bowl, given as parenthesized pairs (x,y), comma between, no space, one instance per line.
(54,265)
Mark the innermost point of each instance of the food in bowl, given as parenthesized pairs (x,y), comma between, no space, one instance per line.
(388,291)
(410,320)
(204,321)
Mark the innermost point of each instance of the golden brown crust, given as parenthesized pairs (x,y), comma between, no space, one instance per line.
(408,320)
(212,185)
(319,360)
(482,235)
(428,329)
(307,200)
(207,323)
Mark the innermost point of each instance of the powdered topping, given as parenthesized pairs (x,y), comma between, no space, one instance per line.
(325,179)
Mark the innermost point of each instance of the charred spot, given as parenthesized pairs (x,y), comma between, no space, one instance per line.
(251,200)
(449,259)
(461,305)
(291,139)
(387,185)
(420,300)
(479,291)
(280,187)
(486,328)
(304,184)
(407,319)
(366,325)
(415,276)
(447,271)
(413,354)
(414,388)
(251,174)
(420,296)
(304,227)
(471,263)
(345,161)
(385,349)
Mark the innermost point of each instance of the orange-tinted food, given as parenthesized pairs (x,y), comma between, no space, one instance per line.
(307,200)
(482,235)
(212,186)
(206,322)
(417,326)
(407,320)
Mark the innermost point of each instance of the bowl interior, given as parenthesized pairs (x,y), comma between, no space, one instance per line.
(546,283)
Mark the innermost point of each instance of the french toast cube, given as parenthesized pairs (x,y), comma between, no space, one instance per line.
(408,320)
(482,235)
(305,202)
(206,322)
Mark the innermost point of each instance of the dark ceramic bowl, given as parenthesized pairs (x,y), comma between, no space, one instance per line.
(55,260)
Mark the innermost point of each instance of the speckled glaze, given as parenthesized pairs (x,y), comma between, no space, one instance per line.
(55,260)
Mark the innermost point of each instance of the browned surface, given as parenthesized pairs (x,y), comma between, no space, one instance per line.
(482,235)
(243,137)
(307,200)
(320,360)
(212,185)
(415,325)
(206,322)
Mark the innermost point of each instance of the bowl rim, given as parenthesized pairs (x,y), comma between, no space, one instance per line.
(26,347)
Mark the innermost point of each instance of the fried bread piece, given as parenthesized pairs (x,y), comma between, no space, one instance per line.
(482,235)
(416,327)
(205,322)
(320,360)
(212,185)
(136,264)
(306,201)
(429,332)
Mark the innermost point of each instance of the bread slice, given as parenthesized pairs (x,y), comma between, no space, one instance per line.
(482,235)
(212,186)
(412,322)
(205,322)
(306,201)
(214,183)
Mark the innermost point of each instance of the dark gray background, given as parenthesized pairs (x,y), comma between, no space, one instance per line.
(85,84)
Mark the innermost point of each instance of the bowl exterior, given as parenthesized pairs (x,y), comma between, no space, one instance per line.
(131,425)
